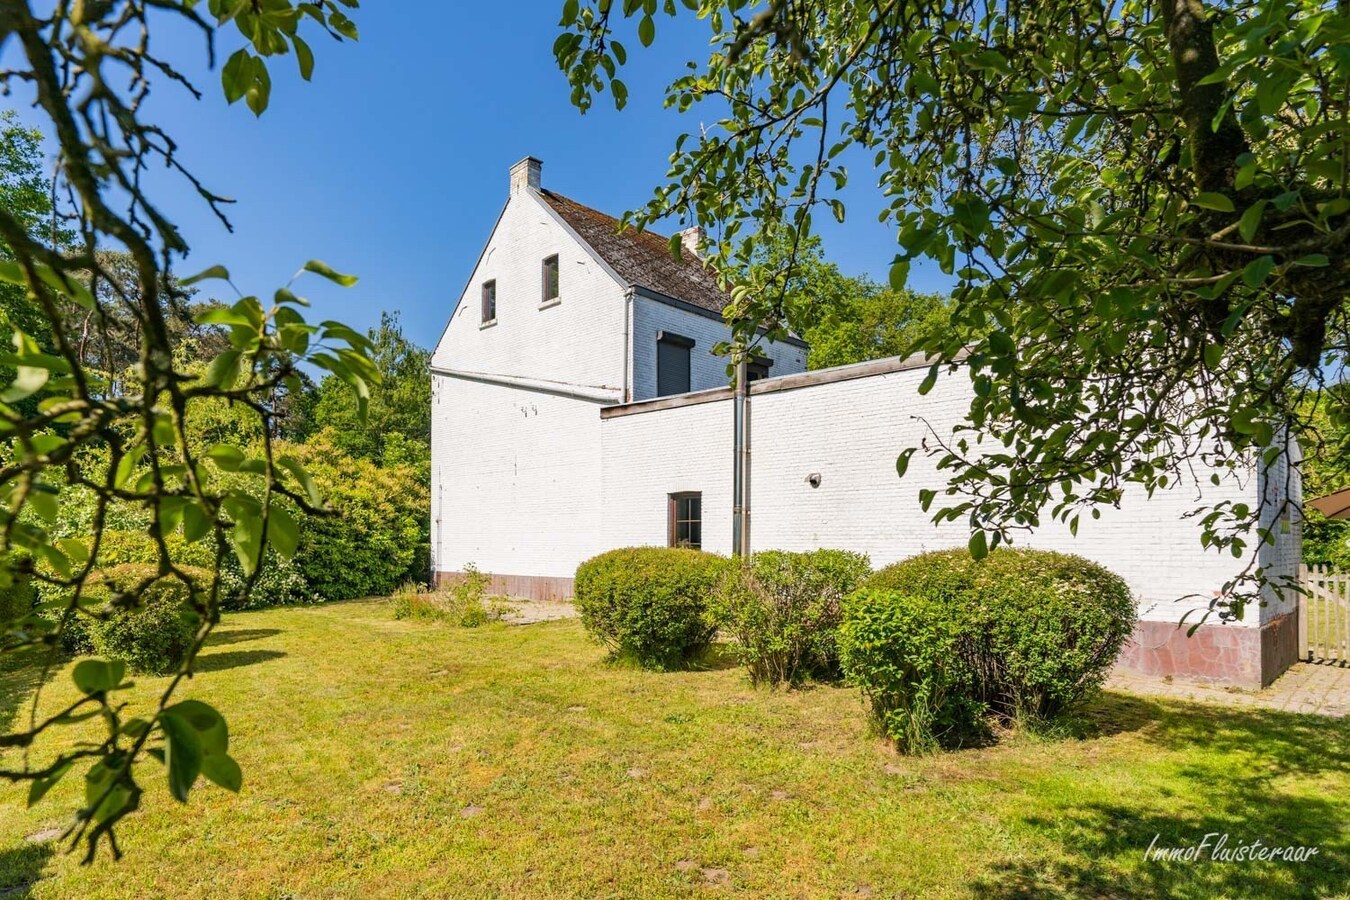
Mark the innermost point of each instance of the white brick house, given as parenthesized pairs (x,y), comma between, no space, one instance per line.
(577,407)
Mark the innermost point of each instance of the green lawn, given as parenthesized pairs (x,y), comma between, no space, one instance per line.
(386,758)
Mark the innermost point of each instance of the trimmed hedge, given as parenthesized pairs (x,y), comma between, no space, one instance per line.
(649,604)
(1035,632)
(784,609)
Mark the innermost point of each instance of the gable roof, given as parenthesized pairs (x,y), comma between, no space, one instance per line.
(640,258)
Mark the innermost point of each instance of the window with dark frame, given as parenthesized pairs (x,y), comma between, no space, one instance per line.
(489,301)
(758,368)
(672,363)
(550,279)
(686,520)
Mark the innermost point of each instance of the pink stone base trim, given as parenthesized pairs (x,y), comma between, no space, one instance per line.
(531,587)
(1236,655)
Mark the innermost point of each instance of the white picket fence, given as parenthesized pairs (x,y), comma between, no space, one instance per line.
(1324,615)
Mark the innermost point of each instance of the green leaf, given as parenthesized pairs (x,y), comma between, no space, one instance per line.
(228,458)
(1213,200)
(930,379)
(93,676)
(182,754)
(899,274)
(979,547)
(222,770)
(304,56)
(1251,220)
(41,786)
(282,531)
(196,524)
(1213,355)
(224,370)
(1255,272)
(327,271)
(246,539)
(301,475)
(902,462)
(235,77)
(217,272)
(259,93)
(646,31)
(28,381)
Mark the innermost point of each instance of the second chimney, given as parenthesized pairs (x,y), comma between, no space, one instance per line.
(691,240)
(525,174)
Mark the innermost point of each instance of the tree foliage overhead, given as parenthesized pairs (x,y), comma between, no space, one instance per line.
(846,319)
(71,428)
(399,411)
(1144,205)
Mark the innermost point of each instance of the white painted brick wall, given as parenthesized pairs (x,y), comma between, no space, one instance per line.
(850,432)
(579,340)
(515,479)
(705,369)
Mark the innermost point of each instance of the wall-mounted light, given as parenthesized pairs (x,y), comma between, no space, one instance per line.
(813,479)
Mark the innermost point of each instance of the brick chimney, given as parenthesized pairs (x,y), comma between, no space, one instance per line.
(525,174)
(691,240)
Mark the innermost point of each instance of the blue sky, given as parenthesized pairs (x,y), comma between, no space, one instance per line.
(392,163)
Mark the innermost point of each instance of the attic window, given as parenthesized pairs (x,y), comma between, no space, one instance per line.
(550,280)
(489,302)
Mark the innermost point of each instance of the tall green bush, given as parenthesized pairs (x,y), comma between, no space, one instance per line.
(783,610)
(650,604)
(381,522)
(1034,633)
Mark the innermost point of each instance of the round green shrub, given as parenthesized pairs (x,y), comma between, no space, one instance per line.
(940,574)
(902,651)
(1034,633)
(152,638)
(1052,623)
(649,604)
(784,608)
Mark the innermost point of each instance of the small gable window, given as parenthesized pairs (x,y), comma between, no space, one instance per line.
(550,280)
(489,302)
(672,363)
(686,520)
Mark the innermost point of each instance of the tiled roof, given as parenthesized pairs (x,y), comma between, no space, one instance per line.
(641,258)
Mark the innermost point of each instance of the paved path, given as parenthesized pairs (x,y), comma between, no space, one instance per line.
(1305,688)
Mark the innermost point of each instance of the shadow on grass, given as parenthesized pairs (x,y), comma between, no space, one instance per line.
(234,659)
(21,868)
(240,635)
(1235,764)
(20,676)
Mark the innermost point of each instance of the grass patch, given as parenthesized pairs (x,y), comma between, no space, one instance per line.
(403,758)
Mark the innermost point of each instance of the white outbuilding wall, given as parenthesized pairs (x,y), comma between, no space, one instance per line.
(849,430)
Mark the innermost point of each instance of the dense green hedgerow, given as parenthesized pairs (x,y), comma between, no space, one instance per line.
(1034,632)
(650,603)
(784,608)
